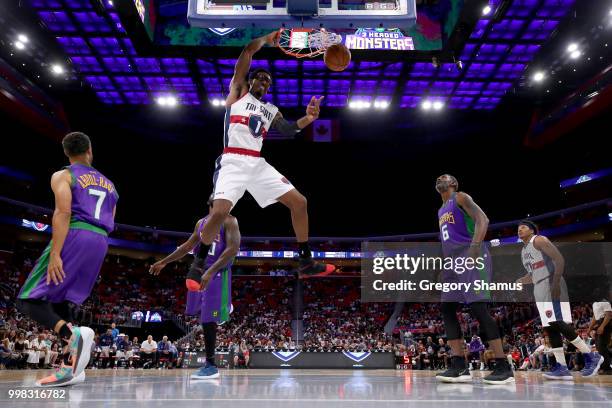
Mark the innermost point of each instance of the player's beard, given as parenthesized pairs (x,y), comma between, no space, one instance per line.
(442,186)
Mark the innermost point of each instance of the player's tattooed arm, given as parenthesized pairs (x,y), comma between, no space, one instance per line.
(60,184)
(480,218)
(232,246)
(179,253)
(285,127)
(239,85)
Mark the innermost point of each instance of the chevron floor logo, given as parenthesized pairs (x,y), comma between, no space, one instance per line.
(221,31)
(286,355)
(358,356)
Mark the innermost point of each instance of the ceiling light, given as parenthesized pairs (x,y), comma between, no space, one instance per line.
(486,10)
(57,69)
(538,76)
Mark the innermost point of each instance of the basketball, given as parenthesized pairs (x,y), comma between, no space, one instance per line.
(337,57)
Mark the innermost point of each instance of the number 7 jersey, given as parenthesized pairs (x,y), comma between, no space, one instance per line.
(94,197)
(247,122)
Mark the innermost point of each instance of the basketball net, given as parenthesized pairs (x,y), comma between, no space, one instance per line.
(306,42)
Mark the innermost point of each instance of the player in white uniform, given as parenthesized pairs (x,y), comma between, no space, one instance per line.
(241,168)
(544,264)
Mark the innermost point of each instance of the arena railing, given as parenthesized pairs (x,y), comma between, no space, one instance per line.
(607,203)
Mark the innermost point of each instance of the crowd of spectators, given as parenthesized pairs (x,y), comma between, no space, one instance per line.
(333,316)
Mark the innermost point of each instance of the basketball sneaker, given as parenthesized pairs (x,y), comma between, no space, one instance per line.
(457,373)
(592,362)
(309,268)
(559,372)
(502,373)
(63,376)
(206,372)
(80,348)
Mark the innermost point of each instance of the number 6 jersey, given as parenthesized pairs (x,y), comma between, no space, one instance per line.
(247,122)
(93,197)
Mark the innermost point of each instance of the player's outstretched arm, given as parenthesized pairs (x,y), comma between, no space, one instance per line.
(232,246)
(179,253)
(239,85)
(60,184)
(287,128)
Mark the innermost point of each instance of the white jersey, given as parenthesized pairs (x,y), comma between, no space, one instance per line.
(537,264)
(247,122)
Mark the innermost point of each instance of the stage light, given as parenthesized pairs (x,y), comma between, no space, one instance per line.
(19,45)
(572,47)
(381,104)
(538,76)
(169,101)
(23,38)
(366,104)
(352,105)
(215,102)
(437,105)
(426,105)
(486,10)
(575,54)
(57,69)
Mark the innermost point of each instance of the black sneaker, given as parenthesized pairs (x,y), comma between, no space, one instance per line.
(502,374)
(194,276)
(309,268)
(457,373)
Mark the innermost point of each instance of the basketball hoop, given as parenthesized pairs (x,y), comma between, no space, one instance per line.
(306,42)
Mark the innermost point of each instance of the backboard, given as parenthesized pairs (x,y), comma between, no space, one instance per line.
(274,14)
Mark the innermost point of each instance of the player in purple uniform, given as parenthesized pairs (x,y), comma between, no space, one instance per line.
(463,226)
(65,273)
(214,300)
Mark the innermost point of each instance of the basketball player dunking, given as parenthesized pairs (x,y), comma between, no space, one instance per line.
(67,270)
(215,302)
(544,264)
(463,226)
(240,168)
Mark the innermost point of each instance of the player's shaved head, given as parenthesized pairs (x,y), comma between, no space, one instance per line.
(445,182)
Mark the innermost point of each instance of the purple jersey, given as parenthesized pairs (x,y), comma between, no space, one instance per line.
(216,248)
(456,226)
(93,197)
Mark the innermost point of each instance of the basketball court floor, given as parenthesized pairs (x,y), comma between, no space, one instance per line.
(307,388)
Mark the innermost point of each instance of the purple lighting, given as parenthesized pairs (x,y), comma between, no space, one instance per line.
(87,64)
(174,65)
(57,21)
(91,22)
(114,64)
(74,45)
(147,65)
